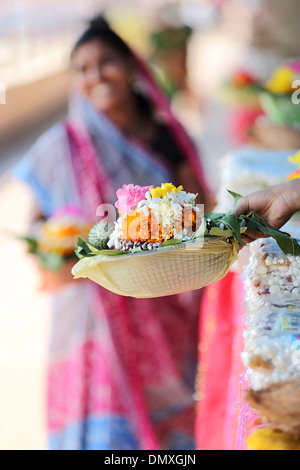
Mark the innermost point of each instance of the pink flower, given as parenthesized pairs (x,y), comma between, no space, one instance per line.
(129,196)
(295,66)
(67,210)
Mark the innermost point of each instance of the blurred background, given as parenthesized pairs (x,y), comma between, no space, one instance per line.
(194,47)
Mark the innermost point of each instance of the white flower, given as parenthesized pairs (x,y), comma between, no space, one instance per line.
(165,212)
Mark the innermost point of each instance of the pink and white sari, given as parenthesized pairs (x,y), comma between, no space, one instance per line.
(121,370)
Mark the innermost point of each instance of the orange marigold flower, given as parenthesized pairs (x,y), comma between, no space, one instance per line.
(137,226)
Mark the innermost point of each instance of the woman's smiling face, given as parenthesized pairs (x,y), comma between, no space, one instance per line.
(102,75)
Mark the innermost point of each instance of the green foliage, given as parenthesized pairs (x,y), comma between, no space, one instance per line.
(86,250)
(285,242)
(31,243)
(52,261)
(229,225)
(214,225)
(172,241)
(237,197)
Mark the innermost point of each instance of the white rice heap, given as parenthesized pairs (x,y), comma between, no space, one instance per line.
(272,337)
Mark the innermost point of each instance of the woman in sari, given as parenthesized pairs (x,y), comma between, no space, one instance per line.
(121,370)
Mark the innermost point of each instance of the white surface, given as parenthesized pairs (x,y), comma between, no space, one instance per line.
(24,325)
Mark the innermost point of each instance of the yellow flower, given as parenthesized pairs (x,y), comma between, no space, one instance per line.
(166,188)
(270,439)
(293,176)
(281,81)
(156,192)
(295,159)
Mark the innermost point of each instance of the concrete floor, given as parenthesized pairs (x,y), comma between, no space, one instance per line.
(24,327)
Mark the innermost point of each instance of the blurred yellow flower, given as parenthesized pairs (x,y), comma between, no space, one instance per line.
(270,439)
(281,81)
(293,176)
(295,159)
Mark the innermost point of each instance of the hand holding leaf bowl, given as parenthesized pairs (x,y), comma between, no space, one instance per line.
(163,244)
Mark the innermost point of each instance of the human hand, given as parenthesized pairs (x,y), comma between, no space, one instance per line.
(54,281)
(276,205)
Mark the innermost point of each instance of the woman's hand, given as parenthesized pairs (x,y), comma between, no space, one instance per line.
(276,205)
(54,281)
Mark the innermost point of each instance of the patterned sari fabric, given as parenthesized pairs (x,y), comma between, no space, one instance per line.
(121,370)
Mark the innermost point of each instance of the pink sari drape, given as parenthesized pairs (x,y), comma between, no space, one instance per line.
(220,363)
(149,351)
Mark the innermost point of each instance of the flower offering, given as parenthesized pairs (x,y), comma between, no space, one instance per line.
(162,239)
(150,216)
(55,239)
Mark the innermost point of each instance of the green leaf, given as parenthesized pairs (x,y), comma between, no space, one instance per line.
(136,250)
(254,223)
(84,246)
(80,253)
(172,241)
(285,242)
(202,230)
(32,243)
(219,232)
(52,261)
(214,216)
(110,253)
(237,197)
(231,221)
(194,199)
(86,250)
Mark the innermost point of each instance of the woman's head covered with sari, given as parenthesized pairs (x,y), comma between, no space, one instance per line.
(112,78)
(106,70)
